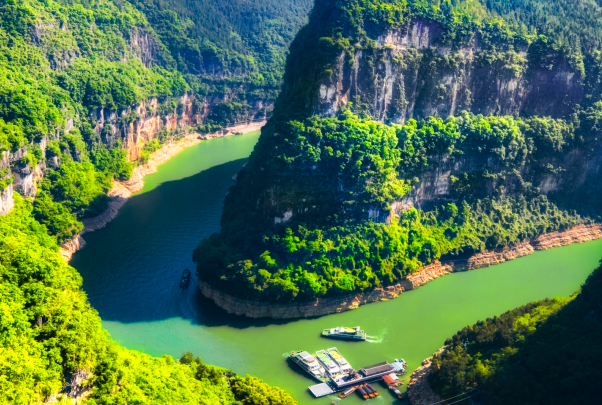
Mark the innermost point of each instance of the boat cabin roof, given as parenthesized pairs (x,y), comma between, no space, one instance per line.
(308,358)
(376,369)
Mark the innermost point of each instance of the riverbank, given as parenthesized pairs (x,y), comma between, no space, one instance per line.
(419,390)
(331,305)
(123,190)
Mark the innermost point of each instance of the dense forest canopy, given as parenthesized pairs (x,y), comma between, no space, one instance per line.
(50,335)
(62,63)
(65,63)
(328,197)
(343,236)
(544,352)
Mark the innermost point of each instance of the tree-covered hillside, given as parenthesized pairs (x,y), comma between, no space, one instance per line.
(341,183)
(500,143)
(542,353)
(52,344)
(237,47)
(76,79)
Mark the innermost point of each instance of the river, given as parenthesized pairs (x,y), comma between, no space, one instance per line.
(132,268)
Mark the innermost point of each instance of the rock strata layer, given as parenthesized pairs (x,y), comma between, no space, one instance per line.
(331,305)
(123,190)
(419,390)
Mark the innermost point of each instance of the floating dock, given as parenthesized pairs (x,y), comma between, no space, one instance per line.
(354,378)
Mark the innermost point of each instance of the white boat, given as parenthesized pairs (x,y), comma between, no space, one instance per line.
(340,360)
(308,363)
(345,333)
(329,364)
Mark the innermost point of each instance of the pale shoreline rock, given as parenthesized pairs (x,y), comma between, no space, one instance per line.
(123,190)
(419,389)
(331,305)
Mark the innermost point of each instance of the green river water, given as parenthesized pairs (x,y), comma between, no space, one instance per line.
(132,268)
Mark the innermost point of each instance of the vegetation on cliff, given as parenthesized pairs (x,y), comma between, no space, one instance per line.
(337,180)
(72,75)
(51,340)
(544,352)
(453,43)
(61,62)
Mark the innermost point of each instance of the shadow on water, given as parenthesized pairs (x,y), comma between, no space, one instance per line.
(132,267)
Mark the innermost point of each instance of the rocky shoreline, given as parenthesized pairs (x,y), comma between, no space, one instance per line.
(331,305)
(123,190)
(419,390)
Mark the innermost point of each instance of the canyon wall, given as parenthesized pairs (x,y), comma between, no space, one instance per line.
(412,72)
(114,126)
(331,305)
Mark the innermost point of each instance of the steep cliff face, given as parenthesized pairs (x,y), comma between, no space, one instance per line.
(412,73)
(557,174)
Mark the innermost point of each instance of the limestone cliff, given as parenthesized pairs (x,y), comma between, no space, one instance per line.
(413,73)
(148,122)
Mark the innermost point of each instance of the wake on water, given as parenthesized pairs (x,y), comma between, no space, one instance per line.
(377,339)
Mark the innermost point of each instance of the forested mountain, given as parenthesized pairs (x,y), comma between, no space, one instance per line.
(88,89)
(542,353)
(408,132)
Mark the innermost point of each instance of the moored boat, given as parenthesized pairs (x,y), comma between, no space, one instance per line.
(308,363)
(340,360)
(329,364)
(361,390)
(345,333)
(347,392)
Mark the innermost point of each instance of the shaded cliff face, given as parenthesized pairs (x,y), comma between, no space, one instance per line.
(413,71)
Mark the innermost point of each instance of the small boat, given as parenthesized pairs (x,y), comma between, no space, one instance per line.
(185,279)
(345,333)
(371,388)
(308,363)
(397,393)
(347,392)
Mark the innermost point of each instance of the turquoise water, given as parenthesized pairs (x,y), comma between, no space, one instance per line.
(132,269)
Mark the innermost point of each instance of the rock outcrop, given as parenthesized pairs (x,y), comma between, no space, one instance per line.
(123,190)
(493,257)
(331,305)
(317,307)
(577,234)
(6,200)
(426,274)
(419,390)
